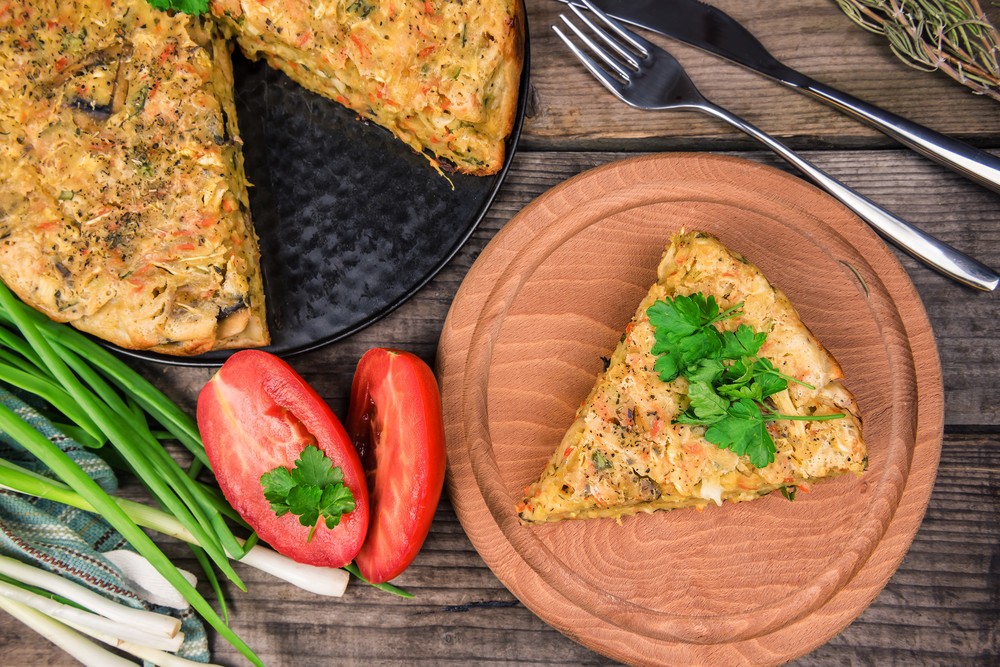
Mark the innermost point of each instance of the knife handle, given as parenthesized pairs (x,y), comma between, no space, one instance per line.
(972,163)
(931,251)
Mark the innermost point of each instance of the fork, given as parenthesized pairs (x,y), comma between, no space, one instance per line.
(645,76)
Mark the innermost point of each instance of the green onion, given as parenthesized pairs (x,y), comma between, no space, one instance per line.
(130,436)
(130,631)
(320,580)
(108,403)
(53,394)
(14,342)
(151,399)
(151,623)
(84,650)
(67,470)
(40,591)
(53,616)
(389,588)
(148,655)
(213,580)
(152,465)
(65,364)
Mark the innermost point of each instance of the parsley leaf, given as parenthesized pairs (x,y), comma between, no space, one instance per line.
(751,378)
(705,370)
(706,404)
(769,382)
(313,468)
(312,491)
(277,484)
(744,342)
(744,431)
(303,501)
(737,425)
(193,7)
(336,501)
(684,332)
(668,367)
(738,373)
(683,315)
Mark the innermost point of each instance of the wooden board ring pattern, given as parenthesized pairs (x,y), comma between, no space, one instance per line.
(759,582)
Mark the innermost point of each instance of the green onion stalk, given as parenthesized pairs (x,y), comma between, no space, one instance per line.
(78,378)
(320,580)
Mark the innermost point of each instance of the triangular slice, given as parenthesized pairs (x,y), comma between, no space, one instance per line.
(441,75)
(625,454)
(123,205)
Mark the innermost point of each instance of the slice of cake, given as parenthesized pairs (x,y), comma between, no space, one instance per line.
(123,207)
(684,417)
(442,76)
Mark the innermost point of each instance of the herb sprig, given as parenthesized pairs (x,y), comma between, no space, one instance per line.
(727,382)
(312,491)
(954,37)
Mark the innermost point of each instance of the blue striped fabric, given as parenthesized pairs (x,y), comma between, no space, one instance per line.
(68,541)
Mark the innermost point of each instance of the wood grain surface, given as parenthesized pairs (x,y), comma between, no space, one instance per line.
(812,36)
(942,605)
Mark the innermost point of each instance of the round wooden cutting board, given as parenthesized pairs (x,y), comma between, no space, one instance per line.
(753,583)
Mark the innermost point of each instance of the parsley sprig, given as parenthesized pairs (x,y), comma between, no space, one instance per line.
(312,491)
(727,382)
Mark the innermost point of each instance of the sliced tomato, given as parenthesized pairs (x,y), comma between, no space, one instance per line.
(257,414)
(395,422)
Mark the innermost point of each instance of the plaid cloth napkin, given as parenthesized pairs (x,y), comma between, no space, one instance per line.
(68,541)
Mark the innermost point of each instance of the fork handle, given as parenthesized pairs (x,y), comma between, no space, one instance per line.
(977,165)
(935,253)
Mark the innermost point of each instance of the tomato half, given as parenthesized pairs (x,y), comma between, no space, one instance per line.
(395,422)
(257,414)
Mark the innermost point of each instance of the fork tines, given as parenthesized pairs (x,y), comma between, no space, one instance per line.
(626,56)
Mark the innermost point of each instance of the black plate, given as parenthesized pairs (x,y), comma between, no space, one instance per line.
(352,222)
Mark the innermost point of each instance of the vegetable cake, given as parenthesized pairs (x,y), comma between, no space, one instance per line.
(123,207)
(440,75)
(641,443)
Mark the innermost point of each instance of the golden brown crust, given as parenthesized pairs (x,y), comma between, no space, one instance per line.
(124,210)
(513,63)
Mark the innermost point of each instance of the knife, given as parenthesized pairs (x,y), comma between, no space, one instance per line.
(707,28)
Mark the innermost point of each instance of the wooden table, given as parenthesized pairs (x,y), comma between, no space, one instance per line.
(942,607)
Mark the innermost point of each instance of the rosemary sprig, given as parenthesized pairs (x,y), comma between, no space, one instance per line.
(952,36)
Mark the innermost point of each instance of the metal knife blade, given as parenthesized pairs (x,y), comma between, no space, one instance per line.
(702,26)
(712,30)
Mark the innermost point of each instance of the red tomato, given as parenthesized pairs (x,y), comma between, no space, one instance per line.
(396,424)
(256,414)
